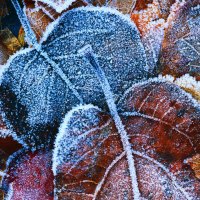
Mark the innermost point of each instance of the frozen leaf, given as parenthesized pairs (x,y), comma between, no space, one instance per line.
(98,2)
(180,52)
(145,16)
(162,122)
(46,83)
(195,164)
(40,15)
(4,54)
(152,41)
(151,7)
(60,5)
(142,4)
(21,37)
(124,6)
(9,41)
(151,23)
(165,7)
(187,83)
(29,176)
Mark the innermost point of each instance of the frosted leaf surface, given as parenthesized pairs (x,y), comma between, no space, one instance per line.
(181,45)
(44,84)
(125,6)
(40,15)
(29,175)
(58,5)
(186,82)
(162,122)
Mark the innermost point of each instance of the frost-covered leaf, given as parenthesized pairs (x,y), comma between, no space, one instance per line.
(195,164)
(181,45)
(40,86)
(148,17)
(40,15)
(4,54)
(187,83)
(60,5)
(125,6)
(29,176)
(98,2)
(161,7)
(162,122)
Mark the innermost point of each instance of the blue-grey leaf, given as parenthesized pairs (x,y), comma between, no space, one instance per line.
(41,85)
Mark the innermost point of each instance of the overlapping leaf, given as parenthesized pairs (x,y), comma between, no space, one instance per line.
(163,126)
(40,15)
(180,49)
(60,5)
(29,176)
(40,86)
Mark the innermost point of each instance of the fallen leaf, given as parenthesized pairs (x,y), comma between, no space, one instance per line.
(40,86)
(187,83)
(4,54)
(194,162)
(162,122)
(98,2)
(3,8)
(180,52)
(29,176)
(21,37)
(125,6)
(61,5)
(9,40)
(40,15)
(151,22)
(142,4)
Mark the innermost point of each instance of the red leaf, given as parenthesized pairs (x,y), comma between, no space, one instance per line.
(180,48)
(163,124)
(29,176)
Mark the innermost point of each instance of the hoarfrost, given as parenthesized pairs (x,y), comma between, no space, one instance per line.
(58,5)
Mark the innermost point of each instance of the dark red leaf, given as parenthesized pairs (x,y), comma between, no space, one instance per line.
(180,48)
(29,176)
(163,124)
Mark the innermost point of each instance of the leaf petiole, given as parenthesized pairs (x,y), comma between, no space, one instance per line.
(30,35)
(87,52)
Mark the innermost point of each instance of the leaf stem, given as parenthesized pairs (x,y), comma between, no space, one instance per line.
(87,51)
(30,35)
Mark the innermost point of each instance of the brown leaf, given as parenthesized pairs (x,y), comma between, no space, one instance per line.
(162,122)
(180,52)
(4,54)
(124,6)
(21,37)
(98,2)
(9,41)
(3,8)
(40,15)
(148,13)
(194,162)
(150,18)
